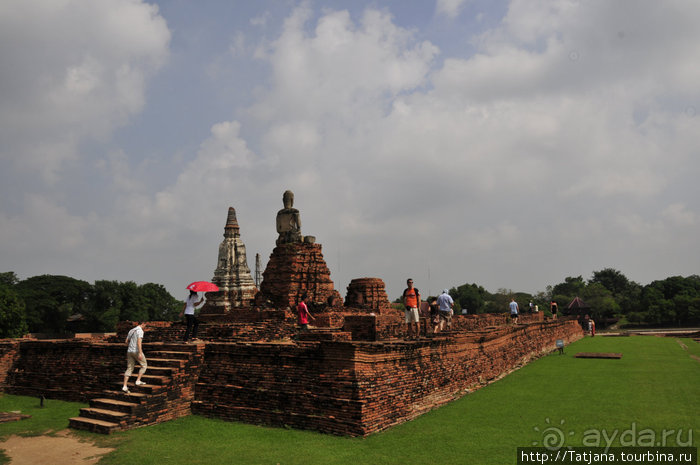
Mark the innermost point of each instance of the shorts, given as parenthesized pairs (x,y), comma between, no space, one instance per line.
(446,316)
(514,315)
(412,315)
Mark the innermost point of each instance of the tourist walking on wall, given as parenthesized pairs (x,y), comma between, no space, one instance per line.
(411,300)
(303,312)
(188,310)
(553,308)
(134,353)
(514,311)
(446,304)
(434,314)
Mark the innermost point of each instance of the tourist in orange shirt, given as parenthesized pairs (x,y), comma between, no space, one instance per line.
(411,300)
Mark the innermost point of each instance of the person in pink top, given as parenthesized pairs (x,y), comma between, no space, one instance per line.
(303,312)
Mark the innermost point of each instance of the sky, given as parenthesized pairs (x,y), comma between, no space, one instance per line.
(505,143)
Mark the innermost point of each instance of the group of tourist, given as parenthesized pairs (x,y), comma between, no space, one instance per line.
(441,311)
(515,310)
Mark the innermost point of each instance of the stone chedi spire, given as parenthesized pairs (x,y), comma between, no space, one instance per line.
(232,275)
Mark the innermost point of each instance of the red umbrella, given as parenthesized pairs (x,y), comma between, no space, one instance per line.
(203,286)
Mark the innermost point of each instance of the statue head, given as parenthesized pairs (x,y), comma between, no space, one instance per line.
(288,199)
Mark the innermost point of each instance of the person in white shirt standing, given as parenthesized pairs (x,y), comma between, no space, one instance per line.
(188,310)
(134,353)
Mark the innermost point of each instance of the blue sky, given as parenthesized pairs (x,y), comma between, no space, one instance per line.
(507,143)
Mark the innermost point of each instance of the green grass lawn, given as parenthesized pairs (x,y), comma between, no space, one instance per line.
(653,389)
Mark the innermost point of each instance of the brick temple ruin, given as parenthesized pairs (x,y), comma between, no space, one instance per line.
(353,373)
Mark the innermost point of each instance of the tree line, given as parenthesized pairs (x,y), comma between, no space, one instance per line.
(59,304)
(610,295)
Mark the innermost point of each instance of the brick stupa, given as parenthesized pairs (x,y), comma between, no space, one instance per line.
(367,293)
(232,275)
(296,265)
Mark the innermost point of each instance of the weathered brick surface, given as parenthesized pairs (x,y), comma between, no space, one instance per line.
(324,379)
(403,380)
(276,325)
(367,293)
(72,370)
(304,385)
(360,388)
(9,353)
(292,270)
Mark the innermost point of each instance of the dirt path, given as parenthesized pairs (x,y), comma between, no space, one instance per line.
(61,449)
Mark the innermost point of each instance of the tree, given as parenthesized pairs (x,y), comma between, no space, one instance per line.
(12,313)
(674,300)
(161,305)
(626,293)
(601,301)
(104,306)
(611,279)
(570,288)
(9,278)
(51,299)
(469,296)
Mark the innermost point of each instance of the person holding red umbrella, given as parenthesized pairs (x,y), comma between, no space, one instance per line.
(188,310)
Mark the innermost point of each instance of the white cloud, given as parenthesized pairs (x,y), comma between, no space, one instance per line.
(678,214)
(449,8)
(563,145)
(72,71)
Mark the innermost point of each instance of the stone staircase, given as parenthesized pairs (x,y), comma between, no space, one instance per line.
(168,392)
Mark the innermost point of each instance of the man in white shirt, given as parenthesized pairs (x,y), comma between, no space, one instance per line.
(446,304)
(134,353)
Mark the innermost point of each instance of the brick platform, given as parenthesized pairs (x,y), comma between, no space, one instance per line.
(353,380)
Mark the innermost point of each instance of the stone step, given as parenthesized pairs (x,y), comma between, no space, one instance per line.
(152,379)
(111,416)
(113,404)
(144,388)
(132,397)
(171,354)
(94,425)
(166,362)
(161,371)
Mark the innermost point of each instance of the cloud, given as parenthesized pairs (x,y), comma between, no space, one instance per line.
(72,71)
(564,144)
(449,8)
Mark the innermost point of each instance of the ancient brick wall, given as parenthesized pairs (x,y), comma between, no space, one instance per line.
(72,370)
(360,388)
(9,354)
(322,381)
(309,385)
(78,370)
(436,371)
(279,326)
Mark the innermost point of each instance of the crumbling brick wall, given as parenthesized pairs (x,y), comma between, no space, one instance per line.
(361,387)
(9,354)
(330,384)
(73,370)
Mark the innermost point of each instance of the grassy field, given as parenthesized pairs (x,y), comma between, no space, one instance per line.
(653,389)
